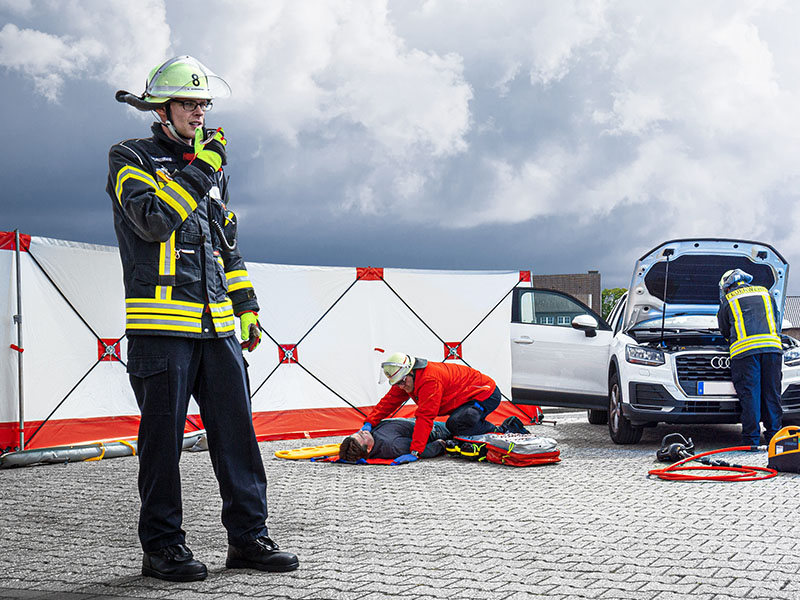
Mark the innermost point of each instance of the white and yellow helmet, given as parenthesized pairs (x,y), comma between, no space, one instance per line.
(177,78)
(397,366)
(733,277)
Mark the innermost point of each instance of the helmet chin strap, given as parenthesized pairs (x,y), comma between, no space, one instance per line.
(168,124)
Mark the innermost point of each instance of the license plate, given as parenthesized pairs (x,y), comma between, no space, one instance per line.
(715,388)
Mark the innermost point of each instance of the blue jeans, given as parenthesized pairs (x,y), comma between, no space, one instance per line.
(757,379)
(164,372)
(468,419)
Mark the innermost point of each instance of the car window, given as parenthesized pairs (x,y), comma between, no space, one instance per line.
(615,318)
(618,324)
(546,307)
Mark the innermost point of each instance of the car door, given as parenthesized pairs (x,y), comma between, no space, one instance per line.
(554,363)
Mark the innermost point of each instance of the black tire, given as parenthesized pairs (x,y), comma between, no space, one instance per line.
(619,428)
(596,416)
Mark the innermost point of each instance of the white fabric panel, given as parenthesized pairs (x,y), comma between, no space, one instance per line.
(340,350)
(9,399)
(59,349)
(90,276)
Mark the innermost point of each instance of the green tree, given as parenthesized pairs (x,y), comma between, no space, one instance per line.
(610,297)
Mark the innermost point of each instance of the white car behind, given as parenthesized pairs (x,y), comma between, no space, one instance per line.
(660,357)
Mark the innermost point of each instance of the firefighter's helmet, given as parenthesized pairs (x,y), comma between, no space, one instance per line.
(397,366)
(733,277)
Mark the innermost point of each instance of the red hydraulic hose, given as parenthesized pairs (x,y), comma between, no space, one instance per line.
(726,472)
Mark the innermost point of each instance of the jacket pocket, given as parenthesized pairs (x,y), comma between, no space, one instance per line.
(185,273)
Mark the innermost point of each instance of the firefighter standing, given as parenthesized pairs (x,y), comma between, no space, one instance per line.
(184,282)
(747,319)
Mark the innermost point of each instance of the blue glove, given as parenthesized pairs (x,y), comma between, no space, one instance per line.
(406,458)
(366,427)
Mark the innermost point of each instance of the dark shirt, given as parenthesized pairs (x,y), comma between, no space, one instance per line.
(393,438)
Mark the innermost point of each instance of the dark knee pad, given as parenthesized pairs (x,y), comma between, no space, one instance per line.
(464,420)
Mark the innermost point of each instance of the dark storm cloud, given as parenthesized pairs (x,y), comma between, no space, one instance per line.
(552,136)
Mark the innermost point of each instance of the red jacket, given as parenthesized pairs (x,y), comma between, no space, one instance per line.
(439,389)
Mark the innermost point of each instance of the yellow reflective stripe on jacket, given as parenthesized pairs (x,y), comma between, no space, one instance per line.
(152,323)
(738,319)
(129,172)
(238,280)
(222,316)
(163,315)
(756,341)
(770,315)
(177,198)
(166,267)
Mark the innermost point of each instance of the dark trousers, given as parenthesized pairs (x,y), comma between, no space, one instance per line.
(468,419)
(164,372)
(757,379)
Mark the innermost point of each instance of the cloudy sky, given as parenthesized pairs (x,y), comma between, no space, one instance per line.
(551,135)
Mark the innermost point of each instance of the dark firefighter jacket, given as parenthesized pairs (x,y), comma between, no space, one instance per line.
(393,438)
(439,389)
(180,276)
(746,319)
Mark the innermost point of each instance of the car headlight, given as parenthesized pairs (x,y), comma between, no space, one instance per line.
(641,355)
(791,357)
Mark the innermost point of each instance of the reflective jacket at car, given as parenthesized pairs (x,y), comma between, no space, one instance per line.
(747,320)
(180,278)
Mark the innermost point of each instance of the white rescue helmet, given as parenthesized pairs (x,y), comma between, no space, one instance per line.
(175,79)
(397,366)
(733,277)
(183,77)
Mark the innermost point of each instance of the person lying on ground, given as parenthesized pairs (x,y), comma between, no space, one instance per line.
(391,438)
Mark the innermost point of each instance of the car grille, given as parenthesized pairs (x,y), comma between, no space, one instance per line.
(697,367)
(711,406)
(646,395)
(791,397)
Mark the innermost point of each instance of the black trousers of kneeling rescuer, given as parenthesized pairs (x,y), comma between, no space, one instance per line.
(468,419)
(164,372)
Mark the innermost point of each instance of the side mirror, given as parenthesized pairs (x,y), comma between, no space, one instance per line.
(586,323)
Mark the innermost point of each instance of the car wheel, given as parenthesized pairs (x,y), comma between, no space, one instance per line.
(619,428)
(597,417)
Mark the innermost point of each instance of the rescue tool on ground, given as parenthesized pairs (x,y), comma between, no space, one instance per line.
(674,447)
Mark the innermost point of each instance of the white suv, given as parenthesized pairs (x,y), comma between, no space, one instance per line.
(660,357)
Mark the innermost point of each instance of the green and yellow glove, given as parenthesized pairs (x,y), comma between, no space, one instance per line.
(211,152)
(251,332)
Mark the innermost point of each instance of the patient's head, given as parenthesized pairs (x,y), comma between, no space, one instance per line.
(356,446)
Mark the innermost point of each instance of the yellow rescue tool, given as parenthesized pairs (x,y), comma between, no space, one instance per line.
(309,452)
(784,450)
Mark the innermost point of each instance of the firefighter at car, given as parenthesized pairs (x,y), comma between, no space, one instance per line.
(184,281)
(467,395)
(747,320)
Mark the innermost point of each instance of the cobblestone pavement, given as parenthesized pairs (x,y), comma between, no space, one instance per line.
(593,526)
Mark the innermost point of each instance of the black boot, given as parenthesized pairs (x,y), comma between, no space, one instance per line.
(262,554)
(173,563)
(513,425)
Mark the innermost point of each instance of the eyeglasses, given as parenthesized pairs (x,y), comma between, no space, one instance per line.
(402,381)
(190,105)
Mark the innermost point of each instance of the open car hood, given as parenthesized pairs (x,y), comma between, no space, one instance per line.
(681,277)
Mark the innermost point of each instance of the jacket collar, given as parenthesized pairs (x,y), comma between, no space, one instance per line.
(163,139)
